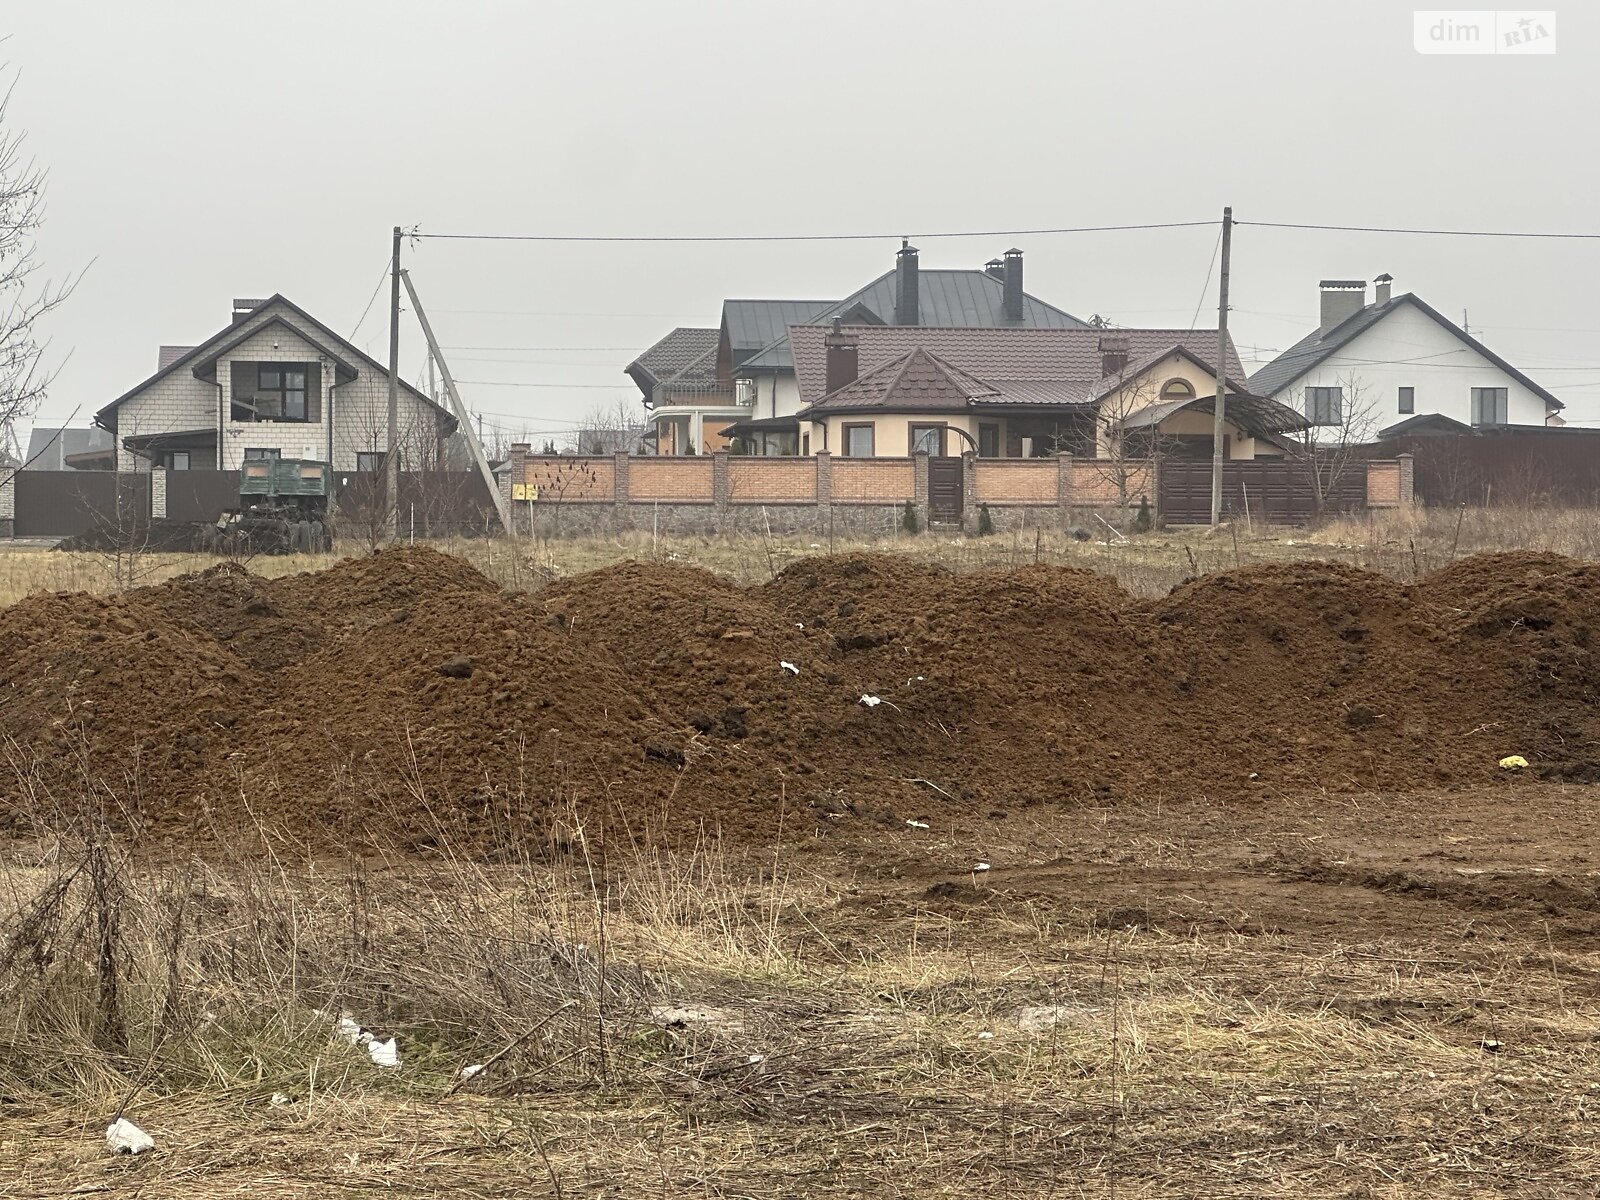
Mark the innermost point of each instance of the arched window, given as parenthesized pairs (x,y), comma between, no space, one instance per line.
(1177,389)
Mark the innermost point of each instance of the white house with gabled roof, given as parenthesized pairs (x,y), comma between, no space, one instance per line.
(1369,367)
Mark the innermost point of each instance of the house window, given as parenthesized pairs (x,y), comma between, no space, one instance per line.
(858,441)
(175,460)
(927,438)
(1489,406)
(988,441)
(280,392)
(1325,405)
(369,461)
(1177,389)
(257,452)
(1408,400)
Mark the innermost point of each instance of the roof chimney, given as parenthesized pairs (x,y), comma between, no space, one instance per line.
(1385,284)
(243,308)
(995,269)
(1341,300)
(842,361)
(1013,285)
(1113,354)
(907,309)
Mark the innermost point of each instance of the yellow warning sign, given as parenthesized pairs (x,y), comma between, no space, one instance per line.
(524,491)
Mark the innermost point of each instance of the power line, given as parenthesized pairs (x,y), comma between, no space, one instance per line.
(1206,286)
(802,237)
(557,349)
(376,289)
(1488,233)
(614,387)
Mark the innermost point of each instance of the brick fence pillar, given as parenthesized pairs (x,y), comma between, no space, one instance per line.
(1064,488)
(1408,480)
(158,493)
(8,505)
(516,472)
(619,489)
(919,470)
(721,485)
(824,488)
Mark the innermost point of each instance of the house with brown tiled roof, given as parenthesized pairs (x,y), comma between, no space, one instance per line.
(742,378)
(874,391)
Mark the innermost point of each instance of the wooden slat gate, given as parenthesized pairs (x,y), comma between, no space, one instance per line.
(1278,491)
(946,490)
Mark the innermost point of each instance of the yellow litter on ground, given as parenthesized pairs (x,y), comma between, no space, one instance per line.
(1513,762)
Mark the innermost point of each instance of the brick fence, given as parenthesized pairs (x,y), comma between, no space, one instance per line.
(719,491)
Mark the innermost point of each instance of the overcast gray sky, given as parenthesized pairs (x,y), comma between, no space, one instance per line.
(201,151)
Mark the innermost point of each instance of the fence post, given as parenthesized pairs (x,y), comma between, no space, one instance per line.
(516,472)
(919,487)
(1408,480)
(619,488)
(824,488)
(969,491)
(8,506)
(158,493)
(1064,488)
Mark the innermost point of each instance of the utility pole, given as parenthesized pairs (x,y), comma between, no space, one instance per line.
(1219,407)
(391,459)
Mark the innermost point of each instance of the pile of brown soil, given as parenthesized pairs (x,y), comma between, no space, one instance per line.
(405,698)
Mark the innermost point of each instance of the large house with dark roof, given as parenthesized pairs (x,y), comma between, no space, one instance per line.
(704,388)
(272,383)
(1369,368)
(887,391)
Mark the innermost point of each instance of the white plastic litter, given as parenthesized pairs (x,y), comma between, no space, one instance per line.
(124,1137)
(917,824)
(469,1072)
(977,867)
(799,625)
(790,667)
(280,1098)
(872,701)
(349,1029)
(985,1036)
(384,1054)
(753,1059)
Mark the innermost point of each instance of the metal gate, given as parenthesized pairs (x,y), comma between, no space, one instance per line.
(1278,491)
(946,490)
(66,503)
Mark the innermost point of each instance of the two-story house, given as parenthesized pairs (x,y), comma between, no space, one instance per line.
(1367,368)
(273,383)
(705,388)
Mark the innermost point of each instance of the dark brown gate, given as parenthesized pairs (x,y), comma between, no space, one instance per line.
(945,490)
(67,503)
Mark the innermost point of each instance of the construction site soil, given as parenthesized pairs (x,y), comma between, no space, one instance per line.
(406,698)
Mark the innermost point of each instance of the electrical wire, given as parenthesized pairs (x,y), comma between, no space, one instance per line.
(803,237)
(1488,233)
(1206,286)
(370,300)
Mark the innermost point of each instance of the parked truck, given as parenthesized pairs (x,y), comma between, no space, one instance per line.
(283,509)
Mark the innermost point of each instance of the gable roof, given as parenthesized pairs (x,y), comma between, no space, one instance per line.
(752,324)
(956,299)
(1041,366)
(1316,347)
(916,381)
(49,446)
(200,356)
(672,354)
(204,366)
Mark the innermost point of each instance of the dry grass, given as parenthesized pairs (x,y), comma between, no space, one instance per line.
(1399,543)
(1149,1058)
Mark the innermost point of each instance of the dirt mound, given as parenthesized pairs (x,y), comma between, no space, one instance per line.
(404,697)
